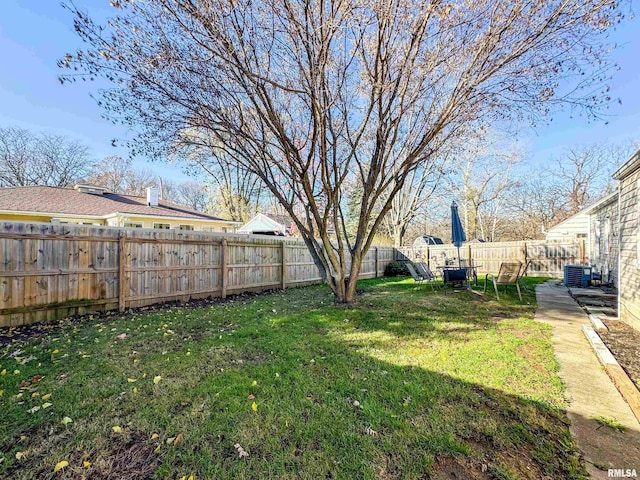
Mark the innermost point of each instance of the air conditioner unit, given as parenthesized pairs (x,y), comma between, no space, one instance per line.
(577,275)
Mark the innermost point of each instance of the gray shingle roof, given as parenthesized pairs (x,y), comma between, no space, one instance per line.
(41,199)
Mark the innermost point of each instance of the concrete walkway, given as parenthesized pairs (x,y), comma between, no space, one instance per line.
(589,391)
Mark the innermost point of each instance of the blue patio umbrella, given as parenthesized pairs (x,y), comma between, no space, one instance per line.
(457,232)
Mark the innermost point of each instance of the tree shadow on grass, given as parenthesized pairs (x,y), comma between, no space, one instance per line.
(338,393)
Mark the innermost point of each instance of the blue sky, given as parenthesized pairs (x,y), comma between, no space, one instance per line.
(34,34)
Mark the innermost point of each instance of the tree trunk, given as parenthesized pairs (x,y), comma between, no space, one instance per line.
(398,235)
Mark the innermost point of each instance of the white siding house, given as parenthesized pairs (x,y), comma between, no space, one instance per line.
(629,238)
(604,230)
(570,230)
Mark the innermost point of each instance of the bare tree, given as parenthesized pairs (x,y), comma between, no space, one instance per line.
(119,176)
(409,202)
(483,184)
(196,196)
(40,159)
(307,94)
(583,173)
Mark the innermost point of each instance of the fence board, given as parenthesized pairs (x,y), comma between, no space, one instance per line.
(51,271)
(546,258)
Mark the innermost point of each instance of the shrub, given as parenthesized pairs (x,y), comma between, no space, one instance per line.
(396,269)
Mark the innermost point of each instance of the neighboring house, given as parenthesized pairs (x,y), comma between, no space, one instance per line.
(268,224)
(603,237)
(629,259)
(569,230)
(92,205)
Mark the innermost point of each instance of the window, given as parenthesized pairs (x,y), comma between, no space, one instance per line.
(132,225)
(185,227)
(162,226)
(209,229)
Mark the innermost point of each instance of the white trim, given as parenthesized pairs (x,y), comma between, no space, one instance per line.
(50,214)
(180,219)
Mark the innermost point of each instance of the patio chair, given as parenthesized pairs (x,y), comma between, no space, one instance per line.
(509,274)
(425,272)
(417,278)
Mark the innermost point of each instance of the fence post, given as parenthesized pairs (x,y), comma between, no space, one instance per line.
(525,253)
(283,272)
(122,262)
(469,253)
(376,274)
(223,270)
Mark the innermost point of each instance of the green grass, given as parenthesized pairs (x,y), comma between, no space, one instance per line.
(407,384)
(610,422)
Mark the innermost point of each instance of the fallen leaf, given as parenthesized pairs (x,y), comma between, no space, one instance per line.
(122,336)
(254,407)
(251,397)
(36,378)
(3,372)
(46,405)
(34,409)
(35,394)
(56,351)
(191,477)
(60,465)
(154,436)
(46,397)
(67,420)
(86,464)
(177,440)
(116,428)
(16,372)
(1,392)
(131,380)
(157,379)
(170,440)
(21,455)
(135,390)
(254,383)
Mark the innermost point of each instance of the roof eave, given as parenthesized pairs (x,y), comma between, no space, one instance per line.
(628,167)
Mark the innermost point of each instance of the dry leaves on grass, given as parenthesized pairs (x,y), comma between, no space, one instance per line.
(241,451)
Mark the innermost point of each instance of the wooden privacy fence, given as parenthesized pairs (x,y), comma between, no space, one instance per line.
(52,271)
(547,258)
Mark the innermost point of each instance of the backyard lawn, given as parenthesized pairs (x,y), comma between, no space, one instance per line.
(407,384)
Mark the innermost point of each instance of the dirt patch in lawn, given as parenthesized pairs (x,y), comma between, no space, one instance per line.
(624,342)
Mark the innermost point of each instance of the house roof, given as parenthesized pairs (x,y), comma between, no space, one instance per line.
(266,223)
(67,201)
(628,167)
(583,214)
(602,201)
